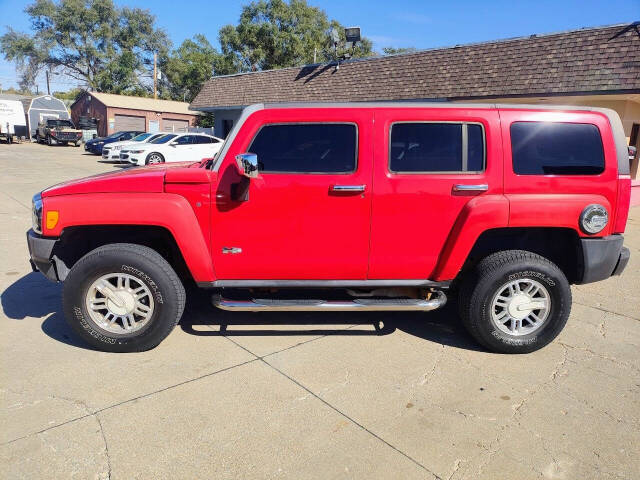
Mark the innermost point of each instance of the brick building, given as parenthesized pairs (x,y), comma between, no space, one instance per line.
(122,112)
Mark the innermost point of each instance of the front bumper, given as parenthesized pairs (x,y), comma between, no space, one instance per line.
(40,252)
(107,154)
(93,148)
(603,257)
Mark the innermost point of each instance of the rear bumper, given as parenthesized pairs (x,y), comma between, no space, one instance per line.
(603,257)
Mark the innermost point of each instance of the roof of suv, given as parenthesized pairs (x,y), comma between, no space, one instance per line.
(614,119)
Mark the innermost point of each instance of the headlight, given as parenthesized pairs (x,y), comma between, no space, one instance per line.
(593,218)
(36,213)
(136,151)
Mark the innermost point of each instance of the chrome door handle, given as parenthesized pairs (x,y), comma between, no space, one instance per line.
(348,188)
(470,188)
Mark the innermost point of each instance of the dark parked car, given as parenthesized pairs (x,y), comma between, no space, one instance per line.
(95,144)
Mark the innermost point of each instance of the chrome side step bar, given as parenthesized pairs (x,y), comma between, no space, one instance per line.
(437,300)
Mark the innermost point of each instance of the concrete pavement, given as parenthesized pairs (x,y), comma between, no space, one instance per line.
(306,395)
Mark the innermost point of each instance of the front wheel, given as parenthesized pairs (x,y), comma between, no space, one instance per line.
(154,158)
(515,302)
(123,298)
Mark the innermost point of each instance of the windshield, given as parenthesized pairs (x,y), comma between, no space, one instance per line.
(142,136)
(115,135)
(155,136)
(164,139)
(59,123)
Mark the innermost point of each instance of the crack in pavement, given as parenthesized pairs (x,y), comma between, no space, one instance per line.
(106,446)
(123,402)
(335,409)
(494,446)
(599,355)
(602,309)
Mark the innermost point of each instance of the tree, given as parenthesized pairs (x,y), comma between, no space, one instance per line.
(186,68)
(397,51)
(105,47)
(69,95)
(276,34)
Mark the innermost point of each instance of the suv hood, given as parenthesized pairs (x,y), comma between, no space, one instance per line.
(148,179)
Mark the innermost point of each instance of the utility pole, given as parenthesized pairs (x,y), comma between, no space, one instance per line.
(48,88)
(155,76)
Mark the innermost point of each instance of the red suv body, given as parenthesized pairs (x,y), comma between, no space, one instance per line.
(373,198)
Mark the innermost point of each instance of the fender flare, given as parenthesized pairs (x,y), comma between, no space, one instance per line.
(170,211)
(479,214)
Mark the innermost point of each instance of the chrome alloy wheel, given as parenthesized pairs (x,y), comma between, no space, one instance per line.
(119,303)
(155,158)
(520,307)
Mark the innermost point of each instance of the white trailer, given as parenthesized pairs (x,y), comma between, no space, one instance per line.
(12,120)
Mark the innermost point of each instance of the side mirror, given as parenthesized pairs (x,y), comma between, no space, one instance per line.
(248,164)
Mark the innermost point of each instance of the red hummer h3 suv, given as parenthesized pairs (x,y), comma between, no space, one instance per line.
(351,207)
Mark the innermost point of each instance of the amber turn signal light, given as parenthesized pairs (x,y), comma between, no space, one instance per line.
(52,219)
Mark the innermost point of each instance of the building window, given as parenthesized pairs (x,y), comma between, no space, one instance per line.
(306,148)
(431,147)
(550,148)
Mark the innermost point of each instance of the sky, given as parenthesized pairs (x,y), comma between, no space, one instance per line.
(397,23)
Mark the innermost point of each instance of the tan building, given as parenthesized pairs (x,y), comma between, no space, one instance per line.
(122,112)
(593,66)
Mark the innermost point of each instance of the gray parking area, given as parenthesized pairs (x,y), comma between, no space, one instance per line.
(306,395)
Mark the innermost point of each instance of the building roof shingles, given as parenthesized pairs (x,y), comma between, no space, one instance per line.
(142,103)
(580,61)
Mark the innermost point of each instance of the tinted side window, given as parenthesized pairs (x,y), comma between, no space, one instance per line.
(436,147)
(306,148)
(546,148)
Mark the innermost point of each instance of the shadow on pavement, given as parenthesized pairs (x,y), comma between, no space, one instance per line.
(33,296)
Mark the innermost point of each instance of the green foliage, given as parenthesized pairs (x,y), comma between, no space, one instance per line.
(205,120)
(186,68)
(276,34)
(105,47)
(397,51)
(18,91)
(69,95)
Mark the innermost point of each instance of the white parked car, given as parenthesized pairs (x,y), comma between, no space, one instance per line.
(111,151)
(173,147)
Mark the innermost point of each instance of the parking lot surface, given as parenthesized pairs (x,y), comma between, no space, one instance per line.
(306,395)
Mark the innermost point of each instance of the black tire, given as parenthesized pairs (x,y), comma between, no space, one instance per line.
(154,154)
(149,268)
(485,281)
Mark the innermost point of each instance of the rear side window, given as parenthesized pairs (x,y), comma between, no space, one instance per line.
(549,148)
(436,148)
(306,148)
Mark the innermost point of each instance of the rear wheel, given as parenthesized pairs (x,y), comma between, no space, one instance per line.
(153,158)
(515,302)
(123,298)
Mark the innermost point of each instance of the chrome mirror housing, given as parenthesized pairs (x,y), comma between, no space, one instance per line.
(248,164)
